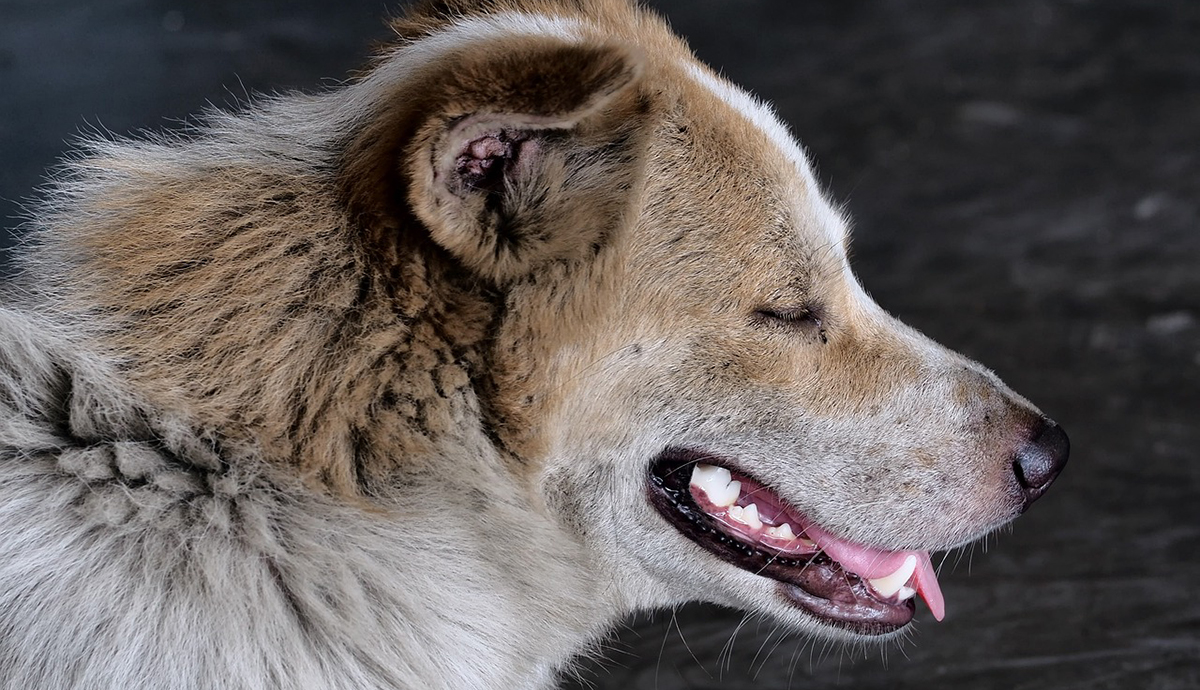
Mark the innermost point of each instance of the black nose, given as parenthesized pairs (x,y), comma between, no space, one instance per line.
(1041,459)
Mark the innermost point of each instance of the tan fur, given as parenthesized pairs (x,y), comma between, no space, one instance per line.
(266,301)
(329,284)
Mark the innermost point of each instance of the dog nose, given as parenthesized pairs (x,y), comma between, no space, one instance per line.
(1040,460)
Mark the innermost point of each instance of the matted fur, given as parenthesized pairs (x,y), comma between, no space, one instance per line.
(306,397)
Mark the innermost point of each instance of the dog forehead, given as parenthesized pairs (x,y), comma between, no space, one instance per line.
(771,148)
(730,194)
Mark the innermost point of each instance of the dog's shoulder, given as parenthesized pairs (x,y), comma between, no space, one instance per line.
(78,445)
(124,527)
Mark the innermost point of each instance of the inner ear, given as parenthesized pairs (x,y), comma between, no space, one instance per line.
(505,193)
(506,190)
(485,162)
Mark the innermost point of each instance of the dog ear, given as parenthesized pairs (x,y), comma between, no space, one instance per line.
(524,151)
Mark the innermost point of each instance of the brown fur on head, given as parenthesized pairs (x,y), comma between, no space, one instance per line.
(545,225)
(332,310)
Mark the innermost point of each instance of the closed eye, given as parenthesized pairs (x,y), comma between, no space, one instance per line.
(799,319)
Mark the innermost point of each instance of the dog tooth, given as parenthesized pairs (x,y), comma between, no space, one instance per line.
(709,474)
(890,584)
(703,476)
(783,531)
(906,593)
(715,483)
(728,495)
(751,513)
(747,515)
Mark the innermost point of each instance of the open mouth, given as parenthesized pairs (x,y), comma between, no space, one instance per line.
(859,588)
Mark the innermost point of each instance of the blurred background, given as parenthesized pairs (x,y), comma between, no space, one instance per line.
(1025,181)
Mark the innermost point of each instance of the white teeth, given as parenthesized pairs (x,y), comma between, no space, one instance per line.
(702,474)
(783,531)
(715,483)
(906,593)
(891,584)
(748,516)
(750,513)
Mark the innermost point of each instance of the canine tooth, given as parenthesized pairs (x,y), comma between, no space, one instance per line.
(715,483)
(890,584)
(906,593)
(727,496)
(706,474)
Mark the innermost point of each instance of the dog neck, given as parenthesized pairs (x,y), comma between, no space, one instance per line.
(435,579)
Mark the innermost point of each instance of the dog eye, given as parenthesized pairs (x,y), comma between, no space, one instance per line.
(788,315)
(802,319)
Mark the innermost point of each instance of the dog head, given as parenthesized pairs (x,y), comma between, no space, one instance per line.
(684,368)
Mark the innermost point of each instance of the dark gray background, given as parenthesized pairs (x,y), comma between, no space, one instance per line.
(1025,179)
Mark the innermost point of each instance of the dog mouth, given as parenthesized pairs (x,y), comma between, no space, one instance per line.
(858,588)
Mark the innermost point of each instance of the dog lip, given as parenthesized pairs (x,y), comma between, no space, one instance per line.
(814,582)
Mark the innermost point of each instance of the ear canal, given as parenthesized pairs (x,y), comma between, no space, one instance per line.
(485,162)
(533,157)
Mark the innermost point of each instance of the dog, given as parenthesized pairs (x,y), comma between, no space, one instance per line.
(428,380)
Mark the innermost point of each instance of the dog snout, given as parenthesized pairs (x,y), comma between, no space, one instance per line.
(1039,461)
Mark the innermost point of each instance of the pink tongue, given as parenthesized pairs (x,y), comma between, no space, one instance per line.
(870,563)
